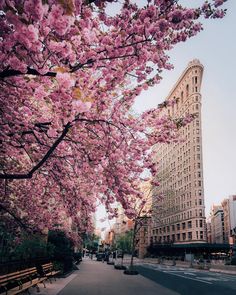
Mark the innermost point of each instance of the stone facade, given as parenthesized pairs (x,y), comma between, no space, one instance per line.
(229,209)
(179,216)
(217,225)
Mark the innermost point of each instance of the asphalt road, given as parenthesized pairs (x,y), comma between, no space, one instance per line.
(97,278)
(189,281)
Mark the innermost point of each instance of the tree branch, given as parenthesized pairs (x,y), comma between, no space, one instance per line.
(10,72)
(42,161)
(17,219)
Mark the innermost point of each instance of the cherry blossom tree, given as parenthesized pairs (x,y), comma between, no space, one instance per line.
(70,74)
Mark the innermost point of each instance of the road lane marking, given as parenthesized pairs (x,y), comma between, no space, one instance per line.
(190,273)
(213,279)
(188,278)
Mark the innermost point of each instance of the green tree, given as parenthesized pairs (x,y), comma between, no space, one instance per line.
(91,242)
(63,249)
(124,242)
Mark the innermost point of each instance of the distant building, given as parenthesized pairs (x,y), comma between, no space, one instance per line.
(226,215)
(229,208)
(143,236)
(122,223)
(179,217)
(208,231)
(223,221)
(144,220)
(217,225)
(109,238)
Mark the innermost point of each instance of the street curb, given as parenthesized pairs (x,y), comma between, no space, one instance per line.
(231,272)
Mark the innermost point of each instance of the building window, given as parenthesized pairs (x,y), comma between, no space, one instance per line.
(184,236)
(189,224)
(183,225)
(173,227)
(178,237)
(178,226)
(187,90)
(200,223)
(190,235)
(201,235)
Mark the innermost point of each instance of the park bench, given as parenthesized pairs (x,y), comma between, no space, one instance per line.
(47,271)
(19,281)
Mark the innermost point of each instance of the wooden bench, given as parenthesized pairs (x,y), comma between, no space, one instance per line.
(19,281)
(48,271)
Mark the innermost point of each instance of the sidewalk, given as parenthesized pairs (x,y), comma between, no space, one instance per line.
(97,278)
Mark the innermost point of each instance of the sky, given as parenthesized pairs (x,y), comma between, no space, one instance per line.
(215,47)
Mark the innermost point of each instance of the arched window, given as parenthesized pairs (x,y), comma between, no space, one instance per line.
(187,90)
(182,96)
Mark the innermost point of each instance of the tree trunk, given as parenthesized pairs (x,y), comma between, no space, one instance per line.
(133,247)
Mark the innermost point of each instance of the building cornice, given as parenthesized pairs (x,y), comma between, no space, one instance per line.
(191,64)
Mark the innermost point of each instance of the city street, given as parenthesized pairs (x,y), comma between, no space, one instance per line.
(97,278)
(189,281)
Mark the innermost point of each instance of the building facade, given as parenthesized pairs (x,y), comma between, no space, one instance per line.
(179,216)
(208,231)
(229,219)
(226,219)
(143,236)
(122,224)
(217,225)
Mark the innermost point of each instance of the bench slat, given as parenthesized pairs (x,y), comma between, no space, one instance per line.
(27,274)
(25,286)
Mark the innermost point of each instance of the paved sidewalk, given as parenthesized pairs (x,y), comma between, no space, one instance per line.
(54,287)
(97,278)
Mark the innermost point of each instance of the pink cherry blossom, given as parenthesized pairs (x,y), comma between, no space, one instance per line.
(70,74)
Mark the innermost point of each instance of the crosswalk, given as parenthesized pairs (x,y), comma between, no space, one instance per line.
(192,274)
